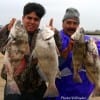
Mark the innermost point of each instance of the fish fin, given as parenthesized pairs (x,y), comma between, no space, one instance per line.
(42,75)
(57,50)
(34,54)
(77,78)
(96,92)
(51,91)
(58,75)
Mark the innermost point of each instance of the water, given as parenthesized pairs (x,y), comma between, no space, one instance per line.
(95,36)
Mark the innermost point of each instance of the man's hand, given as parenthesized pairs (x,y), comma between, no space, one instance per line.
(51,22)
(70,46)
(11,23)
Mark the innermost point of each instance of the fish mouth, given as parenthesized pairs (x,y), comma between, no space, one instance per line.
(72,39)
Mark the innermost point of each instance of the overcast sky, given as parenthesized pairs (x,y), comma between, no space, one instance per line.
(89,11)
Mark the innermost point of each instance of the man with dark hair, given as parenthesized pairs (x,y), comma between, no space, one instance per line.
(39,10)
(31,86)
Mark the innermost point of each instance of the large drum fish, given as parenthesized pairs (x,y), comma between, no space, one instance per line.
(85,53)
(46,52)
(16,48)
(78,53)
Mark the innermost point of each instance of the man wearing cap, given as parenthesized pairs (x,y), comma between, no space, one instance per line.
(68,88)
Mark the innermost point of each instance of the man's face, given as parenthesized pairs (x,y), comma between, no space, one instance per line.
(31,22)
(70,26)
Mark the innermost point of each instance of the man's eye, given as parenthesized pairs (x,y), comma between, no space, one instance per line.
(29,18)
(74,23)
(68,22)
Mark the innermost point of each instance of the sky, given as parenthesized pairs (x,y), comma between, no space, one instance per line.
(89,11)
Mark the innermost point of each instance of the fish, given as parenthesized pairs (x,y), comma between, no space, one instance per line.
(92,63)
(16,48)
(85,53)
(78,53)
(46,52)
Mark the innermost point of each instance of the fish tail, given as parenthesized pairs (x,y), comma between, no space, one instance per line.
(96,91)
(51,91)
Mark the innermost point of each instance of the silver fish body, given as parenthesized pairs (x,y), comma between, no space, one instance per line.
(45,51)
(92,63)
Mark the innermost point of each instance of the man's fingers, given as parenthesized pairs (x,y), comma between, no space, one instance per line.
(50,25)
(11,23)
(51,22)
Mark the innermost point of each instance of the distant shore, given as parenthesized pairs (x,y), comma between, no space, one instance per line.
(92,32)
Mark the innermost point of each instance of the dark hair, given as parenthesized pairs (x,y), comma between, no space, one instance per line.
(34,7)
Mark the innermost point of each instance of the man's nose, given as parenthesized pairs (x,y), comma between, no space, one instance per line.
(72,25)
(32,21)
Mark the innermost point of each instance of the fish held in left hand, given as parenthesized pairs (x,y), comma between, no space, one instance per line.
(16,48)
(46,53)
